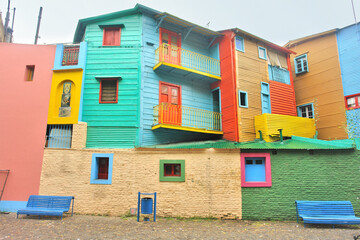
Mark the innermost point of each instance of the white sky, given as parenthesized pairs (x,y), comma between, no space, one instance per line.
(277,21)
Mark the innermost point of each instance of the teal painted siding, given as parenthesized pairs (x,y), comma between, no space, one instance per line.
(195,93)
(113,124)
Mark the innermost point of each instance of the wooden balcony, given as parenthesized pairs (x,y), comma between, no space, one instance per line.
(172,59)
(186,119)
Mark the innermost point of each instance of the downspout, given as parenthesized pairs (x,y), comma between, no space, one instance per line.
(291,79)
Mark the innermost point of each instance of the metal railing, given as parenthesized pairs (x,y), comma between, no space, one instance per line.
(165,113)
(185,58)
(70,55)
(59,136)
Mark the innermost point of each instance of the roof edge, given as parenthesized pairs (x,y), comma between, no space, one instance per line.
(291,43)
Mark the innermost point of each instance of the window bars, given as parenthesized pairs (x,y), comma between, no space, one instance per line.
(59,136)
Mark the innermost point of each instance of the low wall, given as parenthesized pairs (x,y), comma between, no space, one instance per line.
(211,189)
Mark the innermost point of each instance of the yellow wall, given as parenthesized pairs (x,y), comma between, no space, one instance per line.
(322,85)
(59,77)
(251,71)
(269,125)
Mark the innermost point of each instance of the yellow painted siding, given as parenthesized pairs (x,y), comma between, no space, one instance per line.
(251,71)
(58,79)
(322,85)
(269,125)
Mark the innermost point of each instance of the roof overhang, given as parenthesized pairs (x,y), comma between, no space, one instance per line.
(308,38)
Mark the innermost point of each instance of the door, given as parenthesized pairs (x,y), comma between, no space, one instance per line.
(171,43)
(170,104)
(265,98)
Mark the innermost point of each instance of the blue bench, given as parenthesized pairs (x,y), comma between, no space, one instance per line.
(326,212)
(41,205)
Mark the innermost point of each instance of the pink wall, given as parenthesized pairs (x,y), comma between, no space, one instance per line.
(23,111)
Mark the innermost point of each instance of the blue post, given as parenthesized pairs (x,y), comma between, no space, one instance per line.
(155,207)
(138,208)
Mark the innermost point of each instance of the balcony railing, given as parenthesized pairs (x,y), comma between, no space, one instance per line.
(188,59)
(189,117)
(70,55)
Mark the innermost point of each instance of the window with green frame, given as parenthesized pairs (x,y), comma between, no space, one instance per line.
(172,170)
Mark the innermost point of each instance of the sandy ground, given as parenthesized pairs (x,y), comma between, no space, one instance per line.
(102,227)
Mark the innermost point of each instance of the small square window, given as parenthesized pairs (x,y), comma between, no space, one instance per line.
(239,44)
(109,90)
(262,53)
(172,170)
(111,36)
(243,99)
(255,170)
(29,72)
(352,101)
(101,168)
(306,111)
(301,64)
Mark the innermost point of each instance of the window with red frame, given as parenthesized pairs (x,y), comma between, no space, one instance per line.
(172,170)
(108,90)
(103,167)
(353,101)
(111,36)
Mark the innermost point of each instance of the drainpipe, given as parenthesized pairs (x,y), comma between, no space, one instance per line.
(261,137)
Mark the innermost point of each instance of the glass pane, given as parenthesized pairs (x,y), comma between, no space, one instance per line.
(248,162)
(165,38)
(258,161)
(177,169)
(168,169)
(164,89)
(174,100)
(174,92)
(351,102)
(174,41)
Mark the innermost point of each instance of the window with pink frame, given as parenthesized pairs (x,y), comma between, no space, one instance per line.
(255,170)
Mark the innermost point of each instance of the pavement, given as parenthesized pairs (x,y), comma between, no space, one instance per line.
(105,227)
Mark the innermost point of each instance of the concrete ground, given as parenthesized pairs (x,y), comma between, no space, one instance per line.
(102,227)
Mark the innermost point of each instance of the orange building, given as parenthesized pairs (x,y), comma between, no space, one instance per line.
(318,84)
(257,81)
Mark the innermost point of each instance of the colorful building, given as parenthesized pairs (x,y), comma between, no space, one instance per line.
(326,81)
(259,99)
(25,72)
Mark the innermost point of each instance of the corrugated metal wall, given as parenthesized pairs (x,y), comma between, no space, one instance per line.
(322,86)
(228,88)
(282,99)
(122,61)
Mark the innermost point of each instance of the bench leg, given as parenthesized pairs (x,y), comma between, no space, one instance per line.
(17,216)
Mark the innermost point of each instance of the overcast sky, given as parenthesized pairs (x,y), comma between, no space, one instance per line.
(277,21)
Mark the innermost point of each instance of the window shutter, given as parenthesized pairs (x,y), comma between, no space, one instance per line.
(109,90)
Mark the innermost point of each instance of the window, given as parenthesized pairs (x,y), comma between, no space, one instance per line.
(262,53)
(265,98)
(70,55)
(352,101)
(109,90)
(101,168)
(111,36)
(58,136)
(239,44)
(306,110)
(243,99)
(172,170)
(29,73)
(255,170)
(301,64)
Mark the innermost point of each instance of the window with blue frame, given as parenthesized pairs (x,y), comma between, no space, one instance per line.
(306,110)
(301,64)
(239,44)
(243,99)
(255,170)
(101,168)
(262,53)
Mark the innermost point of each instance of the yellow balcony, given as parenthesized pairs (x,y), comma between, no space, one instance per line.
(186,119)
(169,58)
(269,125)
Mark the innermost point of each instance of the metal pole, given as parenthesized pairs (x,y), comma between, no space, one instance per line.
(38,26)
(7,19)
(12,26)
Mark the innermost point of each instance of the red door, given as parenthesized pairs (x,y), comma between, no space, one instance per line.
(171,44)
(170,104)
